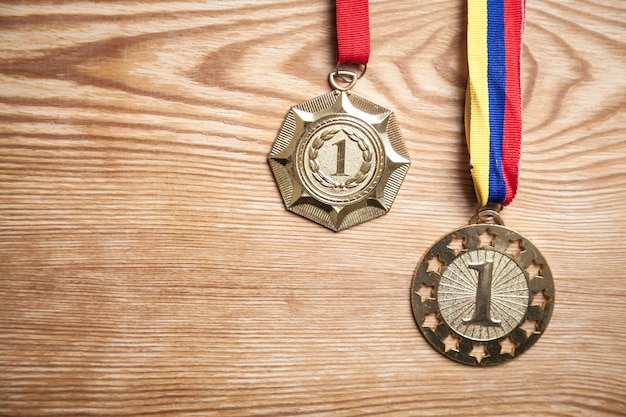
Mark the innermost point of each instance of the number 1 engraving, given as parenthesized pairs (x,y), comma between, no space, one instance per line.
(341,157)
(482,314)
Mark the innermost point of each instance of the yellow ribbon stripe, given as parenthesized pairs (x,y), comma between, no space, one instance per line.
(477,112)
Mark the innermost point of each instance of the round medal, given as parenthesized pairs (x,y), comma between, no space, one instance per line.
(482,295)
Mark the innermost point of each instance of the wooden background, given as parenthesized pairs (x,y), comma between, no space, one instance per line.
(148,266)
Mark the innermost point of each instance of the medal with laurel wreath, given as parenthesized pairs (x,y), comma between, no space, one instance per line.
(339,159)
(326,179)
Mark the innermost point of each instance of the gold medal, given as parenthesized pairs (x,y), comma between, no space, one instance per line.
(483,294)
(339,159)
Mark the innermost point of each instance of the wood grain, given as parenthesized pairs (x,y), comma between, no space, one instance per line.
(148,266)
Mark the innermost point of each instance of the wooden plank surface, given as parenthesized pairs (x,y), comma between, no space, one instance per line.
(148,266)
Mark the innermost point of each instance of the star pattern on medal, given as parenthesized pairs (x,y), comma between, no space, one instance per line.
(534,270)
(377,200)
(426,292)
(508,346)
(486,238)
(435,264)
(479,351)
(515,248)
(530,327)
(540,298)
(451,342)
(431,321)
(457,244)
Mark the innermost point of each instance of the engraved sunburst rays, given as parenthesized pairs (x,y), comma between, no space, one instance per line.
(457,295)
(478,291)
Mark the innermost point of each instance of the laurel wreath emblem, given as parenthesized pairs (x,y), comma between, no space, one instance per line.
(325,179)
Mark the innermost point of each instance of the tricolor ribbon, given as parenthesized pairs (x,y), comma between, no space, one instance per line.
(493,116)
(353,32)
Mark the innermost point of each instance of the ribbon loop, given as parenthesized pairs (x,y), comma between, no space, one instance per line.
(353,32)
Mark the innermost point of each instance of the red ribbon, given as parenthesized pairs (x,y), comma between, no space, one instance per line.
(353,32)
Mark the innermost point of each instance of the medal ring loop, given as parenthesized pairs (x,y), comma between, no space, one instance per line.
(349,77)
(361,67)
(487,215)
